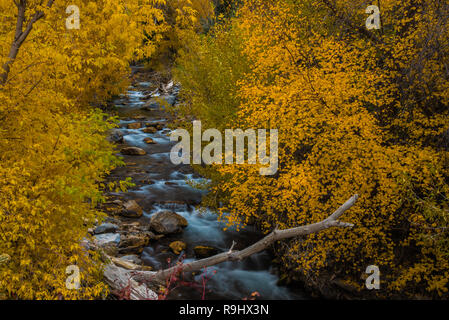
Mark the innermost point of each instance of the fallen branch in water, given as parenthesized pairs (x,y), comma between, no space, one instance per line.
(136,281)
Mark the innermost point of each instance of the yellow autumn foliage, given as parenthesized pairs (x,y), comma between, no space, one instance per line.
(358,112)
(53,151)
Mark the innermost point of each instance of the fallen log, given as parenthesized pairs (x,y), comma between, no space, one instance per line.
(137,282)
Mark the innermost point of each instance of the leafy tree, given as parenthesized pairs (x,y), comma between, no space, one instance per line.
(358,111)
(53,152)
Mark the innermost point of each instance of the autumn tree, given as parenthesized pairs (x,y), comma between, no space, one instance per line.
(358,111)
(53,152)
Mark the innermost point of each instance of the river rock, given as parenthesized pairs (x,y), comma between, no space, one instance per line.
(177,246)
(204,251)
(106,239)
(133,151)
(131,209)
(149,141)
(167,222)
(134,240)
(106,228)
(135,125)
(150,130)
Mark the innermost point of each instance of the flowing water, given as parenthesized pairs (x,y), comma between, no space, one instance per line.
(161,185)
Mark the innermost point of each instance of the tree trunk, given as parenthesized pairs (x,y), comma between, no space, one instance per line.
(20,35)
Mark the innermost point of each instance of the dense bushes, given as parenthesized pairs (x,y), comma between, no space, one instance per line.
(358,112)
(53,152)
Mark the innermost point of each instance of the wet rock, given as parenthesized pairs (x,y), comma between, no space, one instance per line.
(135,125)
(177,247)
(157,125)
(150,130)
(133,151)
(106,228)
(131,209)
(103,240)
(167,222)
(134,241)
(168,183)
(115,136)
(139,117)
(202,252)
(149,141)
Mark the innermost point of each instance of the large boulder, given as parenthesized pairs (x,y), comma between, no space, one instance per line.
(167,222)
(131,209)
(133,151)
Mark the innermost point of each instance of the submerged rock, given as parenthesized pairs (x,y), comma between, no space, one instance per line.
(133,151)
(167,222)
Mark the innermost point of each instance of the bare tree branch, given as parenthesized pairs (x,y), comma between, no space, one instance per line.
(20,35)
(119,277)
